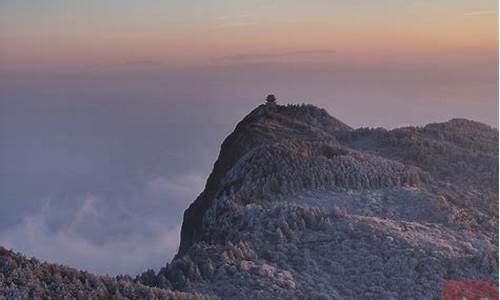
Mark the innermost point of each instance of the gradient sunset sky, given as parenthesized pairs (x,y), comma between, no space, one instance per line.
(57,32)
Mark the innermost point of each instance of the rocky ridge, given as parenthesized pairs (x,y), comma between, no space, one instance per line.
(301,206)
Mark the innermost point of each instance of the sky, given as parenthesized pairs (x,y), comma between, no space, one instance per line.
(112,112)
(58,32)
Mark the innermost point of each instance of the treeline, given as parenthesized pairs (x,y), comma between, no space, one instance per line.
(23,278)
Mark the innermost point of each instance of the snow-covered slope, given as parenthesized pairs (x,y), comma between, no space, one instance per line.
(22,278)
(301,206)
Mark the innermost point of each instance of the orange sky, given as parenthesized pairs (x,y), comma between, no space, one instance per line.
(56,33)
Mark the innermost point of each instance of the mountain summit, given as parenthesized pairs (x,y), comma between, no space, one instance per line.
(300,205)
(267,124)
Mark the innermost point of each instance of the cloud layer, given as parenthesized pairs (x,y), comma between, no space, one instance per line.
(105,235)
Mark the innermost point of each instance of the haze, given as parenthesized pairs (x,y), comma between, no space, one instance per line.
(112,114)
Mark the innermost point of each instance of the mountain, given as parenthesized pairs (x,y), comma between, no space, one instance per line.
(300,205)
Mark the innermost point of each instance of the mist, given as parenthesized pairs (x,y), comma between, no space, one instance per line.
(100,161)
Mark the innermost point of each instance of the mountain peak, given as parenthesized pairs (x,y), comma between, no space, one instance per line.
(307,114)
(297,197)
(301,206)
(267,124)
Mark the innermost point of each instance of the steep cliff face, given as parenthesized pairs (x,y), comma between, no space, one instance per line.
(300,205)
(265,125)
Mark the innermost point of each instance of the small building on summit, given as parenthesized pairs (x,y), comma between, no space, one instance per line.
(270,99)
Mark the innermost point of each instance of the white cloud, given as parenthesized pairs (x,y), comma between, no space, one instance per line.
(109,235)
(149,246)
